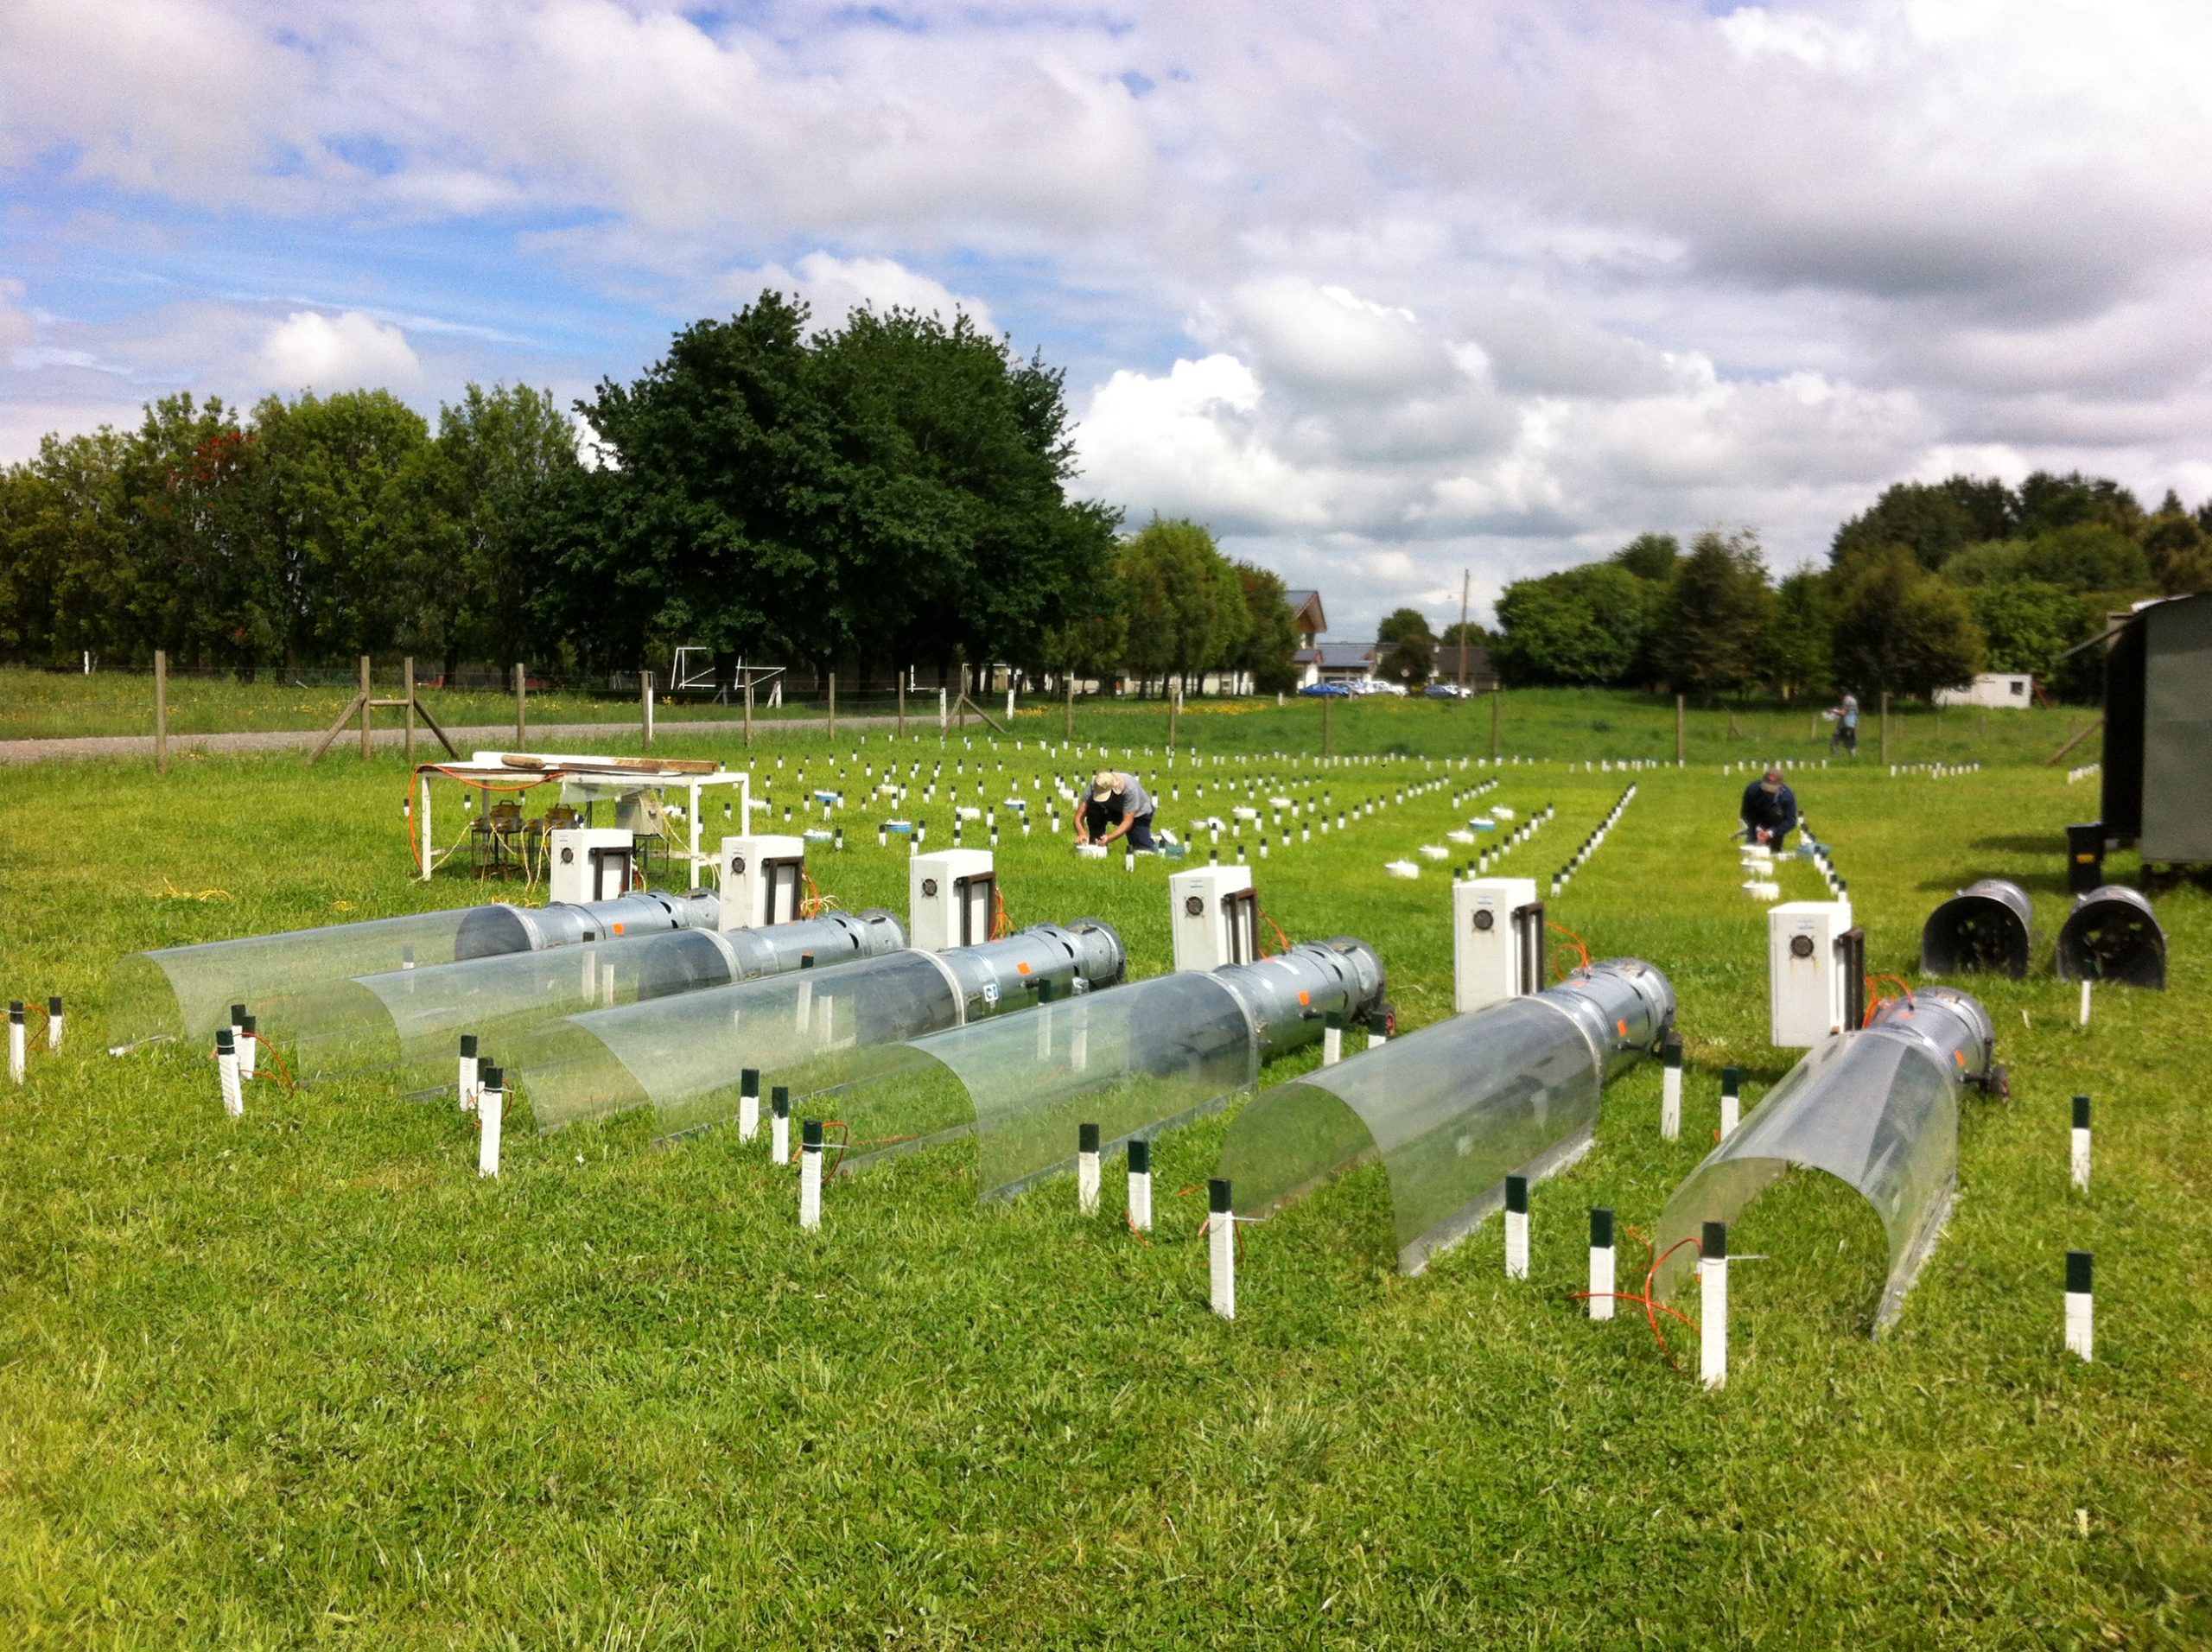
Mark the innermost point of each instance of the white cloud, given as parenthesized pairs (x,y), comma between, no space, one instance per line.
(349,351)
(833,287)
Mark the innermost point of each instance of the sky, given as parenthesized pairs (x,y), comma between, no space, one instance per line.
(1379,293)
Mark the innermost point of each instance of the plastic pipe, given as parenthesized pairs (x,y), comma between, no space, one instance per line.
(54,1023)
(226,1072)
(2080,1306)
(1516,1227)
(1221,1249)
(2081,1166)
(748,1104)
(1601,1263)
(465,1073)
(779,1125)
(810,1174)
(1670,1090)
(1086,1169)
(15,1062)
(491,1114)
(1140,1184)
(1713,1306)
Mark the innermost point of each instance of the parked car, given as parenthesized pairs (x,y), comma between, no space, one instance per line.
(1377,685)
(1328,690)
(1448,691)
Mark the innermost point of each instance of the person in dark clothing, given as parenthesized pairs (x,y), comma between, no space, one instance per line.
(1118,806)
(1768,810)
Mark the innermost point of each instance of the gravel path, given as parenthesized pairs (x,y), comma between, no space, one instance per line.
(477,739)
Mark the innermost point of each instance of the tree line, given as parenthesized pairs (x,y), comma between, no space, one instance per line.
(1930,585)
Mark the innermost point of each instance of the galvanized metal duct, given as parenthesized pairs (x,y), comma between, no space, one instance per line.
(187,991)
(1135,1062)
(1986,927)
(2113,935)
(1453,1109)
(684,1057)
(1878,1109)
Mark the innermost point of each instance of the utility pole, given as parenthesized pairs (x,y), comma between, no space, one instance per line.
(1463,634)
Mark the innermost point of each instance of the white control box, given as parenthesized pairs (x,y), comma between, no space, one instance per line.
(1811,981)
(763,881)
(1497,941)
(951,897)
(1214,918)
(586,863)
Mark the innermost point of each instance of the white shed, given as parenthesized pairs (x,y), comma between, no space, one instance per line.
(1992,688)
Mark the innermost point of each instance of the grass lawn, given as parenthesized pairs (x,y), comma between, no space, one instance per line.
(304,1379)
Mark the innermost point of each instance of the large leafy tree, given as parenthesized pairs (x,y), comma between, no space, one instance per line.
(1184,603)
(1716,615)
(1654,557)
(1585,625)
(1271,631)
(1408,646)
(1899,627)
(1795,652)
(2029,625)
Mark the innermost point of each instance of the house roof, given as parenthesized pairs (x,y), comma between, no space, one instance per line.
(1447,661)
(1306,610)
(1338,656)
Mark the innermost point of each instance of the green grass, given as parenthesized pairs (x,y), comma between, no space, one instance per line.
(304,1380)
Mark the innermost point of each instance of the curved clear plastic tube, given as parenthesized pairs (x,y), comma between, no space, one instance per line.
(684,1057)
(1134,1063)
(1453,1109)
(411,1019)
(1878,1109)
(187,991)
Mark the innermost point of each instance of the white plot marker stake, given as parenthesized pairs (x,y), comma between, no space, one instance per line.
(1086,1169)
(1712,1307)
(1732,1099)
(1670,1091)
(1516,1227)
(748,1104)
(227,1071)
(464,1078)
(2081,1311)
(2081,1144)
(2086,984)
(1221,1249)
(780,1124)
(247,1045)
(1140,1184)
(54,1023)
(490,1116)
(1332,1038)
(810,1174)
(1601,1263)
(16,1040)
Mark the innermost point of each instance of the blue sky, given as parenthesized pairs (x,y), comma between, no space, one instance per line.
(1379,295)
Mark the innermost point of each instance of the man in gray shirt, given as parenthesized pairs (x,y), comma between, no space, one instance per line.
(1117,806)
(1846,718)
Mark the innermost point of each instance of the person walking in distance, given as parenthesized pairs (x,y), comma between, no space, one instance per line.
(1845,716)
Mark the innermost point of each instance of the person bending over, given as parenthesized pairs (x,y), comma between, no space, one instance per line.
(1770,811)
(1117,807)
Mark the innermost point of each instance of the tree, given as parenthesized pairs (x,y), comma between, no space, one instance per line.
(1927,519)
(1184,603)
(1408,648)
(1900,628)
(1653,557)
(2049,503)
(1796,657)
(1271,636)
(2178,549)
(2087,556)
(1716,612)
(2028,625)
(1471,633)
(1585,625)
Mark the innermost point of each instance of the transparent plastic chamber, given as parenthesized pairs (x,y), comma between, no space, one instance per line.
(1454,1109)
(187,991)
(1878,1109)
(412,1019)
(812,1029)
(1134,1062)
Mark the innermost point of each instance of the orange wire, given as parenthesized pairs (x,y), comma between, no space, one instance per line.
(1559,973)
(1283,940)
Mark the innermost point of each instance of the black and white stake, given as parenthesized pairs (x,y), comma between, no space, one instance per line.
(1516,1227)
(2080,1306)
(748,1104)
(1086,1169)
(780,1124)
(1332,1038)
(464,1079)
(810,1174)
(54,1023)
(2081,1144)
(1221,1249)
(1670,1089)
(247,1043)
(16,1040)
(1713,1306)
(1601,1263)
(227,1064)
(491,1114)
(1732,1099)
(1140,1184)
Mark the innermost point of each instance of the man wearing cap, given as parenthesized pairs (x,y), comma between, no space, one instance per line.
(1118,806)
(1845,716)
(1770,811)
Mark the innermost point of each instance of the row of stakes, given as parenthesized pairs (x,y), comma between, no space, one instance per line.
(481,1090)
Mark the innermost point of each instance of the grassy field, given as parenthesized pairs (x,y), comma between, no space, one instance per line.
(304,1380)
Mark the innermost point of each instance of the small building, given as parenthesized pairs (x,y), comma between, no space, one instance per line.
(1481,676)
(2157,756)
(1336,663)
(1306,617)
(2015,689)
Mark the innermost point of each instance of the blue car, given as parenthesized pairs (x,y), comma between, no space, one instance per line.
(1327,691)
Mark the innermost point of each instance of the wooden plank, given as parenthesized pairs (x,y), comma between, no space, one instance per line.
(344,717)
